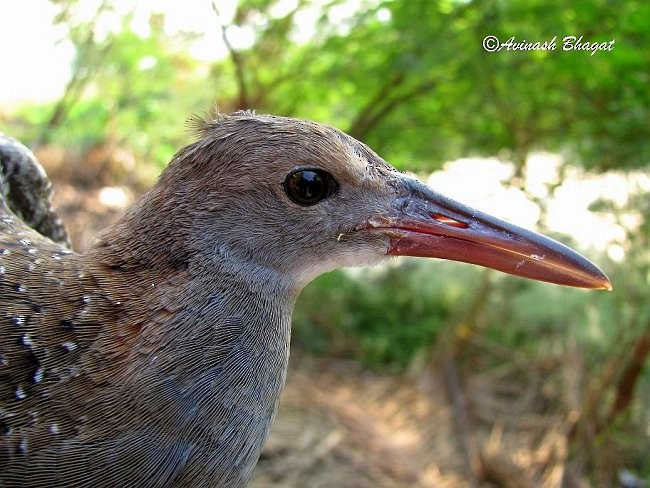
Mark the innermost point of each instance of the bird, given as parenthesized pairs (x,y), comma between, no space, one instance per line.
(157,357)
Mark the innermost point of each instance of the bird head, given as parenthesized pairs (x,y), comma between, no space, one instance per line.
(301,199)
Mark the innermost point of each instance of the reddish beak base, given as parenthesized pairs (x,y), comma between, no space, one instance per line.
(426,224)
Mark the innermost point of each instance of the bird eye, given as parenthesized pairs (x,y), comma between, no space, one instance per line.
(309,186)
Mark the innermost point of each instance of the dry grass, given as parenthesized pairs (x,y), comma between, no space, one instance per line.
(342,426)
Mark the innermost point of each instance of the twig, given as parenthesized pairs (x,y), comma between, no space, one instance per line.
(462,421)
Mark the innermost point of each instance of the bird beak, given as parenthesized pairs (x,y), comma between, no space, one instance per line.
(426,224)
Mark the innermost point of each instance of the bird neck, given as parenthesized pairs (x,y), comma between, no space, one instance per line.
(211,306)
(207,342)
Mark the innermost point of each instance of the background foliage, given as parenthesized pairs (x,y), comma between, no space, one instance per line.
(411,79)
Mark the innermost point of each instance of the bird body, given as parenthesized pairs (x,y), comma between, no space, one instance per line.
(158,357)
(122,373)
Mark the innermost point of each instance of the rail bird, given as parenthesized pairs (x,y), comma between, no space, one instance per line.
(157,358)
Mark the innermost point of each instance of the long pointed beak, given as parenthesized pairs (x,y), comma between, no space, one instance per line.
(426,224)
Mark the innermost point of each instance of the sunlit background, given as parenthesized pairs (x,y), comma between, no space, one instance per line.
(551,140)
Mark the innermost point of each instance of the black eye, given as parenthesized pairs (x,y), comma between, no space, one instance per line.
(309,186)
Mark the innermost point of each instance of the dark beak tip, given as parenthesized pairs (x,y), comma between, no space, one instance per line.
(593,282)
(605,284)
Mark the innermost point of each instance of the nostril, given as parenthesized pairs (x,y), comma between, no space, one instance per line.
(443,219)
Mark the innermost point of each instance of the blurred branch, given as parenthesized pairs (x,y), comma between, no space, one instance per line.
(382,104)
(89,58)
(462,422)
(243,102)
(461,330)
(630,376)
(444,354)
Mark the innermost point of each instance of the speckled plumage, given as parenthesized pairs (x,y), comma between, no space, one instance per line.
(157,358)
